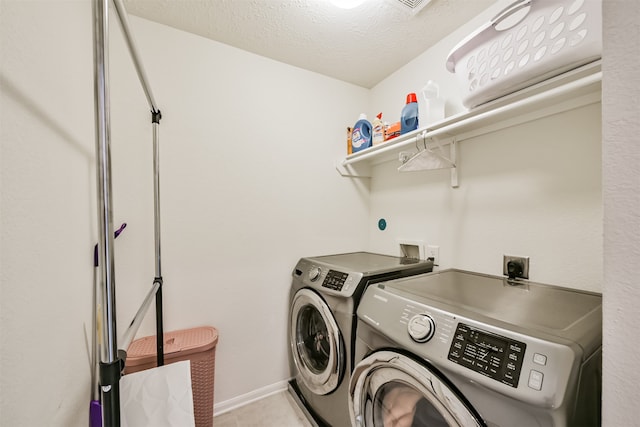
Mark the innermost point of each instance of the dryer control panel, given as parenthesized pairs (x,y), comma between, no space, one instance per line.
(490,354)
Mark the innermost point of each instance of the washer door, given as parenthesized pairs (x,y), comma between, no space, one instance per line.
(316,343)
(390,389)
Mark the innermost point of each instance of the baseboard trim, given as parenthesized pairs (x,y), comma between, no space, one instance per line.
(245,399)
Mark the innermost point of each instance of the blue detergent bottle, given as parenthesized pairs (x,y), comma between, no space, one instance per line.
(361,136)
(409,116)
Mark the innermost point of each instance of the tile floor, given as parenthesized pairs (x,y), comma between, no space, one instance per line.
(277,410)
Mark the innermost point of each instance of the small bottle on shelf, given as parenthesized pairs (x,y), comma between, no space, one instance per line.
(432,109)
(378,130)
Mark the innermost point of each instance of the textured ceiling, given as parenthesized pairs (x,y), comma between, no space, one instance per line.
(361,46)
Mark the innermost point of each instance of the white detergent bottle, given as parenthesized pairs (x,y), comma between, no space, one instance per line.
(432,108)
(378,130)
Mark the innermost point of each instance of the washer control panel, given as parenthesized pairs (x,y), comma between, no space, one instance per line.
(489,354)
(335,280)
(326,279)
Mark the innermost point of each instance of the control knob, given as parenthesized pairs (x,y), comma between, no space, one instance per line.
(314,273)
(421,327)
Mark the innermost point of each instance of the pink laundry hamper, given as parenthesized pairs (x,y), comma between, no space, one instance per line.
(198,345)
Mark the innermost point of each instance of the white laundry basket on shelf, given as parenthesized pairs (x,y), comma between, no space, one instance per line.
(526,43)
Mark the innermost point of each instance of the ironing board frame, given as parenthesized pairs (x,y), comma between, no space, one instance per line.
(113,358)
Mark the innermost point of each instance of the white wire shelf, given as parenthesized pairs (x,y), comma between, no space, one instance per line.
(568,91)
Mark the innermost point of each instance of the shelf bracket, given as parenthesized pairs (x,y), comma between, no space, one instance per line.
(349,170)
(453,147)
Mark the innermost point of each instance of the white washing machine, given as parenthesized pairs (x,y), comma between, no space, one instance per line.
(325,292)
(456,348)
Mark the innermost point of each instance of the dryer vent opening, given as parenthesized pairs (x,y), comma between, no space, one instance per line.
(412,250)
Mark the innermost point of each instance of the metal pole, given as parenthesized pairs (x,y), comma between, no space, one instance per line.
(156,204)
(131,331)
(124,21)
(156,115)
(109,380)
(156,194)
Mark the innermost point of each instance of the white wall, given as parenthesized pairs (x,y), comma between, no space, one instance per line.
(621,190)
(47,221)
(531,190)
(248,186)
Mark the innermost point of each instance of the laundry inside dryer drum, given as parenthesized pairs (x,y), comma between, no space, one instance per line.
(391,389)
(395,401)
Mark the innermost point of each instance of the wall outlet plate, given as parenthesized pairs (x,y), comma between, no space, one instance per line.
(434,252)
(522,261)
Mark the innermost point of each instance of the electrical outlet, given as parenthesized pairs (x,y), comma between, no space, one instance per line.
(434,252)
(515,267)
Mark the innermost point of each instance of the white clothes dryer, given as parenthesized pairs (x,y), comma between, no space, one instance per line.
(325,292)
(456,348)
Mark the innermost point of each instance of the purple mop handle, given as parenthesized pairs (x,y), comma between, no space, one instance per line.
(95,414)
(116,234)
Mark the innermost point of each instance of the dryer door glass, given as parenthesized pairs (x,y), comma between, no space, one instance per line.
(313,339)
(399,404)
(391,389)
(316,343)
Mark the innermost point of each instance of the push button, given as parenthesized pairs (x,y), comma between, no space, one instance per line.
(539,359)
(535,380)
